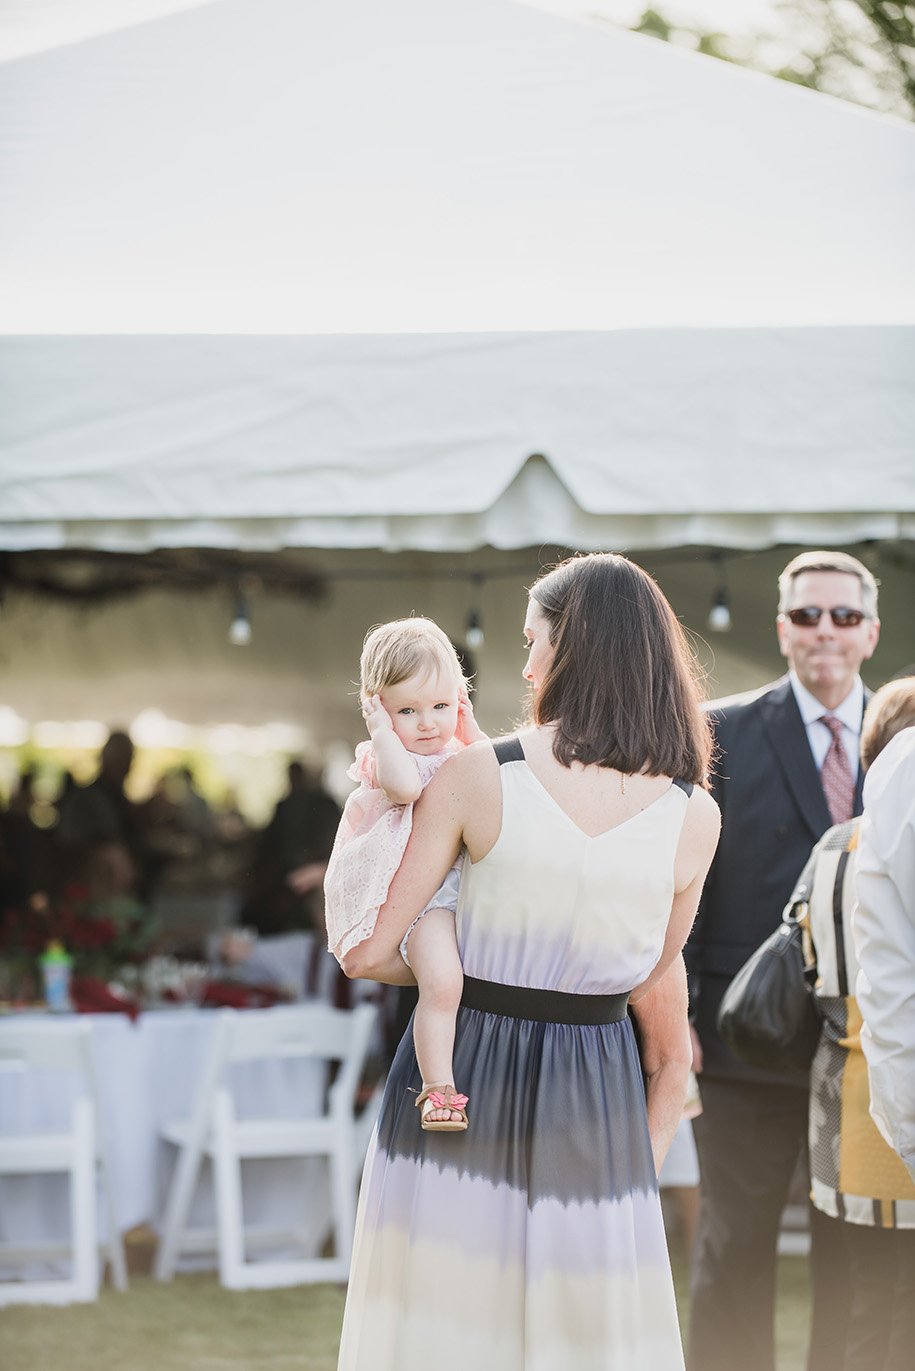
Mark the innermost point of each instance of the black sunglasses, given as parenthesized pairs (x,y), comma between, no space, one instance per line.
(809,616)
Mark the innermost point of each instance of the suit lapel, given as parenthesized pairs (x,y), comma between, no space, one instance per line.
(788,738)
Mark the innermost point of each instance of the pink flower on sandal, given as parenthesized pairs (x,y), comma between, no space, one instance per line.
(439,1101)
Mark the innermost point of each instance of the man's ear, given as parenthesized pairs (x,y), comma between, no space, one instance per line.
(873,639)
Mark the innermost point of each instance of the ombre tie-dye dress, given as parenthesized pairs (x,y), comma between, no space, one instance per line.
(533,1241)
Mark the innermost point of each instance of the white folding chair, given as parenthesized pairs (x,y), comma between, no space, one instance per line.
(314,1031)
(79,1151)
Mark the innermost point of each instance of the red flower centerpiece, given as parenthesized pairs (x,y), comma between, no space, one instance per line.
(101,936)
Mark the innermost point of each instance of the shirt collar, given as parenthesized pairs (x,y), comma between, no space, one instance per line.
(849,711)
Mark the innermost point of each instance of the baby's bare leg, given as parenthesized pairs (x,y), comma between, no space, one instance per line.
(436,964)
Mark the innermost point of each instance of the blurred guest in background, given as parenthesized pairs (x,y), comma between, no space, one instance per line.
(180,833)
(286,888)
(230,824)
(787,771)
(26,860)
(23,799)
(194,814)
(856,1179)
(283,961)
(100,834)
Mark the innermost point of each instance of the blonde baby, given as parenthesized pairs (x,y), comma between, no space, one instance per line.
(418,714)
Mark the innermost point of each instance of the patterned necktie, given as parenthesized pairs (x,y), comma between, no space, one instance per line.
(835,774)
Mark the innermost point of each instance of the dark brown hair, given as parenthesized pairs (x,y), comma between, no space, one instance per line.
(623,685)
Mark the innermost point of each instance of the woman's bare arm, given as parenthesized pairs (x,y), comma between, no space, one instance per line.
(661,1014)
(440,817)
(660,1003)
(695,850)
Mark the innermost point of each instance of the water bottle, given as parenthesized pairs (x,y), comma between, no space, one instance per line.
(55,969)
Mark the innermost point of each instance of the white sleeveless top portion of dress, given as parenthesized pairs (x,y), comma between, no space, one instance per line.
(551,908)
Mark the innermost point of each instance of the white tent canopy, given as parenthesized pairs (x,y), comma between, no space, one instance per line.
(440,273)
(647,439)
(664,438)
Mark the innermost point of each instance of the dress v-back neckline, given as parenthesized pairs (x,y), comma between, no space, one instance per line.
(605,832)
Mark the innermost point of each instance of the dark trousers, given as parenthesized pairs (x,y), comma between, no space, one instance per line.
(881,1322)
(749,1138)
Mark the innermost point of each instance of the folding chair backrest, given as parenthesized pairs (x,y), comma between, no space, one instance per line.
(314,1031)
(310,1030)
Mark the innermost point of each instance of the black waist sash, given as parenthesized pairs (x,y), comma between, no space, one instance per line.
(544,1006)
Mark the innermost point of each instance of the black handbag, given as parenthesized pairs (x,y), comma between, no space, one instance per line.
(769,1017)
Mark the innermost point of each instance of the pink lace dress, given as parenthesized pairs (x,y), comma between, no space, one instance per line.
(369,846)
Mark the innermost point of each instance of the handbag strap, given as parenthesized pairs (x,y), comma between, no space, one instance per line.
(801,897)
(802,921)
(838,922)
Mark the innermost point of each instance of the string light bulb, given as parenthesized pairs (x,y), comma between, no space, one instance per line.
(719,616)
(474,631)
(240,628)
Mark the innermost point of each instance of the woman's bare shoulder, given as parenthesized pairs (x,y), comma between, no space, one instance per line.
(702,809)
(465,793)
(465,769)
(699,834)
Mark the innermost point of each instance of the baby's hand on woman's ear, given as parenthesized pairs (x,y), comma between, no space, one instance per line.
(377,719)
(468,730)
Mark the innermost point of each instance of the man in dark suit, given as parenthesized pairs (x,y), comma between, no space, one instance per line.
(787,770)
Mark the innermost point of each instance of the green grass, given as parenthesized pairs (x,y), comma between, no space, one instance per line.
(194,1325)
(191,1324)
(792,1308)
(792,1314)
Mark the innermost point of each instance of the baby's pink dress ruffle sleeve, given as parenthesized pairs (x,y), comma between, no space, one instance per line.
(371,840)
(363,768)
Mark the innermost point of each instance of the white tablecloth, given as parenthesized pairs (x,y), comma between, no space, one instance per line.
(148,1072)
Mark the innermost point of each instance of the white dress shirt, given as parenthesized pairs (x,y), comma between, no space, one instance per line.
(883,924)
(848,713)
